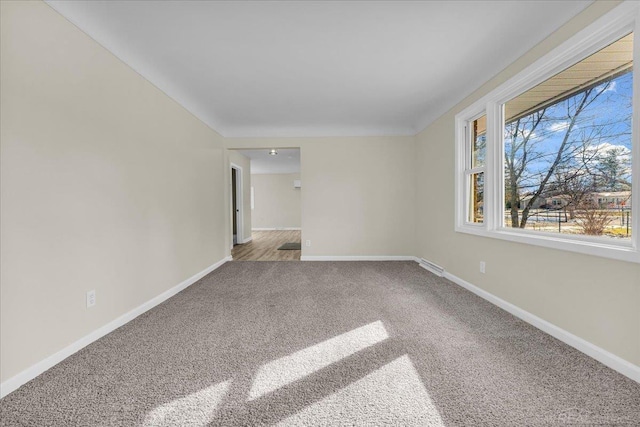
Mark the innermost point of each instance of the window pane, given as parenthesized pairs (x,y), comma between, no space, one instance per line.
(476,197)
(568,149)
(479,142)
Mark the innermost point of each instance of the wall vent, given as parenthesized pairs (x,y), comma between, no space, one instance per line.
(434,268)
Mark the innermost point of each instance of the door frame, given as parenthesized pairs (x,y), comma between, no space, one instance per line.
(239,204)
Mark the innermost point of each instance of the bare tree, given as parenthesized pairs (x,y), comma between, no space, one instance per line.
(524,139)
(518,155)
(576,186)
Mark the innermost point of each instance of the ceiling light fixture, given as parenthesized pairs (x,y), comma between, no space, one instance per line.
(273,152)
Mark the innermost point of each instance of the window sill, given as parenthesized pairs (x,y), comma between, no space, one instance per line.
(618,250)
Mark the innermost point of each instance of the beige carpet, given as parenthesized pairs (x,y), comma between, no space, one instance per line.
(327,343)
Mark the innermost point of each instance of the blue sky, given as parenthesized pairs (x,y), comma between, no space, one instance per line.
(609,114)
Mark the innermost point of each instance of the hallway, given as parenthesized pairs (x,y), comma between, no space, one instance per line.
(265,244)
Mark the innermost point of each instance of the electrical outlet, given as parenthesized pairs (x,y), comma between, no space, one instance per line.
(482,266)
(91,299)
(308,243)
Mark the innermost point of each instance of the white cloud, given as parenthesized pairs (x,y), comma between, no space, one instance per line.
(611,88)
(596,153)
(558,126)
(606,147)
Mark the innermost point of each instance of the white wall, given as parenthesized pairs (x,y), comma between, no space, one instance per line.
(277,203)
(594,298)
(243,162)
(358,195)
(106,184)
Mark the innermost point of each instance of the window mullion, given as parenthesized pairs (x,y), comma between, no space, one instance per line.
(494,194)
(635,140)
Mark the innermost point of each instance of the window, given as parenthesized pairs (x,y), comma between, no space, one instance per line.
(551,156)
(475,169)
(567,140)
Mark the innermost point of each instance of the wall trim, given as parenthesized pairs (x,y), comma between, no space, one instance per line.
(247,240)
(276,229)
(30,373)
(603,356)
(359,258)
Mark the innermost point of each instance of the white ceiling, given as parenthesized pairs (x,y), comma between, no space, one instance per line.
(318,68)
(286,161)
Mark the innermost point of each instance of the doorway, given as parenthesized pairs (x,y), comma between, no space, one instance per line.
(273,195)
(236,203)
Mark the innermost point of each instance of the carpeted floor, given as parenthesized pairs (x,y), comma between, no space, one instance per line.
(326,343)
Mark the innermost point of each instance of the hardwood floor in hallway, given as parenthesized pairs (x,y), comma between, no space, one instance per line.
(265,244)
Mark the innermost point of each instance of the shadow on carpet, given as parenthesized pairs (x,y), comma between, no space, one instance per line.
(325,343)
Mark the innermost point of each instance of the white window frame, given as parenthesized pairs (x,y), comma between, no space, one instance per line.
(469,170)
(619,22)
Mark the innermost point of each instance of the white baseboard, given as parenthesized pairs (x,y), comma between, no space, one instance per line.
(30,373)
(247,240)
(617,363)
(276,229)
(358,258)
